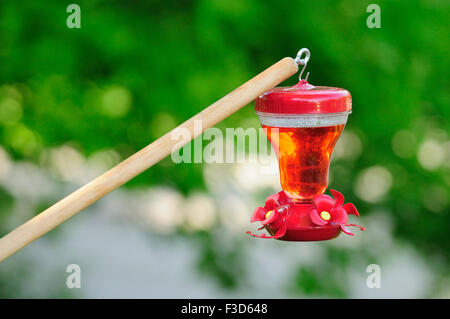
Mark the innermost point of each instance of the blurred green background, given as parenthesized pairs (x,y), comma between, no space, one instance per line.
(74,102)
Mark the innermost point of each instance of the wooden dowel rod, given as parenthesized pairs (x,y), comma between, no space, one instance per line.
(145,158)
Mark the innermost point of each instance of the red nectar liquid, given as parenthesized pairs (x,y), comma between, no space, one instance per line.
(304,158)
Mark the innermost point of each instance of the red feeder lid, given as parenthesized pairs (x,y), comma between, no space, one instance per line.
(304,98)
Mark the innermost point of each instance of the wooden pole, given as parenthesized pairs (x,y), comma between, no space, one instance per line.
(145,158)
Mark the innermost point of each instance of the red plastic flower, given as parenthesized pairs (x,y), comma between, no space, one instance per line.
(329,211)
(272,214)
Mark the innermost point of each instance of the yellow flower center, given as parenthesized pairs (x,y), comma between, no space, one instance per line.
(269,213)
(325,215)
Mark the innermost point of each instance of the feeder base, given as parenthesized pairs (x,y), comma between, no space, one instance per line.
(310,233)
(287,220)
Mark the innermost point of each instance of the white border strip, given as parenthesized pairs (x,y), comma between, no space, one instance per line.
(302,120)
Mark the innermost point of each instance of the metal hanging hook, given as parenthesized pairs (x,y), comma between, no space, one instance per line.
(303,61)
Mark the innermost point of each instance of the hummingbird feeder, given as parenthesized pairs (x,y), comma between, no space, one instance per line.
(303,123)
